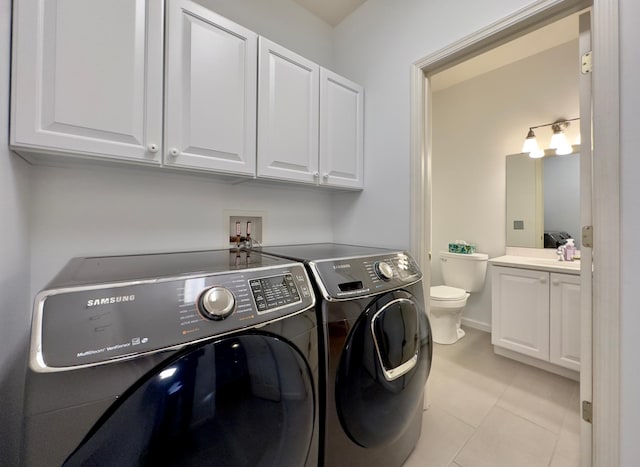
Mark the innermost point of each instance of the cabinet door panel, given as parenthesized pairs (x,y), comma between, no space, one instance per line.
(88,77)
(211,91)
(565,321)
(288,96)
(341,131)
(520,311)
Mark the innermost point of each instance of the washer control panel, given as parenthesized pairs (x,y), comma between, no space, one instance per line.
(89,325)
(362,276)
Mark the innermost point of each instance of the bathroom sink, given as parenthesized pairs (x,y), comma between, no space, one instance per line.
(553,262)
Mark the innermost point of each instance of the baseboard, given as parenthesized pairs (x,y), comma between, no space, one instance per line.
(472,323)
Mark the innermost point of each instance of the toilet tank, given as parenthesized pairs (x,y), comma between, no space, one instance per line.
(465,271)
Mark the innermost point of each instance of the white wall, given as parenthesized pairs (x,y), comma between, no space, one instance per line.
(476,124)
(281,21)
(630,224)
(89,211)
(375,46)
(15,315)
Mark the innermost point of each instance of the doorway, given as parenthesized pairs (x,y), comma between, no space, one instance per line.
(605,278)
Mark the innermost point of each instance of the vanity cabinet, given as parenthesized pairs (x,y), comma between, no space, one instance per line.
(310,121)
(537,313)
(89,79)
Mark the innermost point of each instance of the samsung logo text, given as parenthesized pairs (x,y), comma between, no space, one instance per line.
(110,300)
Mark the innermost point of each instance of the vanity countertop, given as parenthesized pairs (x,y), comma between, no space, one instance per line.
(539,264)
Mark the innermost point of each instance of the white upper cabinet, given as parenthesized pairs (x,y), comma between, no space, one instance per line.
(210,112)
(288,92)
(87,78)
(341,131)
(113,80)
(310,121)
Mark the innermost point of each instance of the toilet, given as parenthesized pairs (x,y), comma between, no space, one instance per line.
(462,274)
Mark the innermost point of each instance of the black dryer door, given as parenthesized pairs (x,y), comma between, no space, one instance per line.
(383,370)
(246,400)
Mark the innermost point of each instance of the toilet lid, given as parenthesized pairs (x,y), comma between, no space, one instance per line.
(444,292)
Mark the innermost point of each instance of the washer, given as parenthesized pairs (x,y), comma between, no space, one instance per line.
(192,358)
(376,351)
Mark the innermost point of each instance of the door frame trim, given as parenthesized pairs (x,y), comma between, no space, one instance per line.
(605,446)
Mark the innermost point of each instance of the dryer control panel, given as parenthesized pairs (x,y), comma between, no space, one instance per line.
(348,278)
(87,325)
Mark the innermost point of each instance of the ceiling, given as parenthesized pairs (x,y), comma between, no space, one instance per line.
(552,35)
(331,11)
(547,37)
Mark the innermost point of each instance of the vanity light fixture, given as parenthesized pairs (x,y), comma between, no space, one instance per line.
(559,140)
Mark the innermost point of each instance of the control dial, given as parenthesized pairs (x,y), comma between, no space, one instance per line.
(216,303)
(383,270)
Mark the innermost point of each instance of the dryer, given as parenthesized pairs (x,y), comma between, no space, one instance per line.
(191,358)
(376,350)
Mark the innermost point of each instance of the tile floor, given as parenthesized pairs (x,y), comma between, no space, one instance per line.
(487,410)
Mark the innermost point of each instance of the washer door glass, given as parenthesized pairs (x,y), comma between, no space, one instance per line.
(383,370)
(240,401)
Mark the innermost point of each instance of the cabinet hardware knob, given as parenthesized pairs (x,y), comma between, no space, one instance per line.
(325,176)
(316,174)
(152,147)
(543,280)
(174,152)
(555,282)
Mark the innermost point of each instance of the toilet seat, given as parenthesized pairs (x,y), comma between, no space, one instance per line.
(445,293)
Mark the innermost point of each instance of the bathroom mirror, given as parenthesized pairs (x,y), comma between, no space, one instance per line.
(543,200)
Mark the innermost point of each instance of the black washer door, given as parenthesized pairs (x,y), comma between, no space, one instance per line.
(383,370)
(241,401)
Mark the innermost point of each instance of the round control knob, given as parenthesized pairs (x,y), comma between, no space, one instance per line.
(383,270)
(217,303)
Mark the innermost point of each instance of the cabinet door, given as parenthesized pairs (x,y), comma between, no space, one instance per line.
(288,98)
(210,113)
(87,78)
(520,311)
(564,317)
(341,131)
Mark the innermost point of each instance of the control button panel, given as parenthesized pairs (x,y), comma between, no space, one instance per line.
(274,292)
(84,326)
(355,277)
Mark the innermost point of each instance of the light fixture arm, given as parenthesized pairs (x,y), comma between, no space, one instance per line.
(560,121)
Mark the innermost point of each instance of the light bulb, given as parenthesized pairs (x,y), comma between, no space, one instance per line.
(564,150)
(559,139)
(536,154)
(530,143)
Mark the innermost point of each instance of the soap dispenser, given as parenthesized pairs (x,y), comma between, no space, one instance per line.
(561,252)
(569,249)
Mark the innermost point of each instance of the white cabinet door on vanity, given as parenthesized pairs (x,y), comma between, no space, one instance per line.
(341,131)
(87,78)
(564,314)
(288,98)
(210,113)
(520,310)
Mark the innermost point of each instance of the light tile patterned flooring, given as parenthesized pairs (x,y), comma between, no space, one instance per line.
(484,410)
